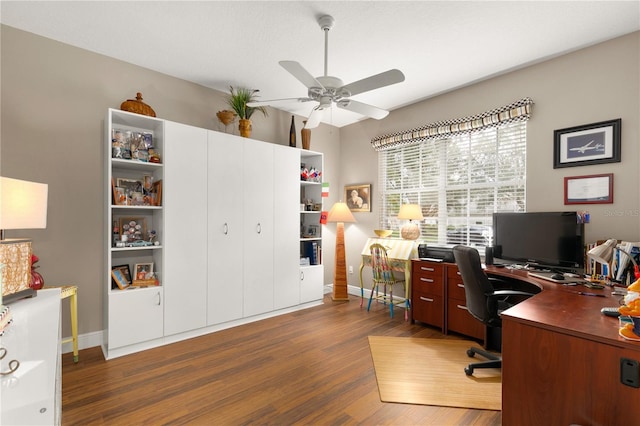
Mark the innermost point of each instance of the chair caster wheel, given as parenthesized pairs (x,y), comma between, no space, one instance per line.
(470,353)
(468,371)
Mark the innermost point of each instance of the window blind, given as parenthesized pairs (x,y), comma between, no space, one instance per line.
(459,181)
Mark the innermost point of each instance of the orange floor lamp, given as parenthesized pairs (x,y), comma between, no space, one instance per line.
(340,214)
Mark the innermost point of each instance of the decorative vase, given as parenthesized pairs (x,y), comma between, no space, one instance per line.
(226,117)
(37,282)
(245,127)
(306,136)
(137,106)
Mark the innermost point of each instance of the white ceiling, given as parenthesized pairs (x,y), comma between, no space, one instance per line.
(439,45)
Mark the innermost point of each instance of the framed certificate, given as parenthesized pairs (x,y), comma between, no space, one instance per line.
(589,189)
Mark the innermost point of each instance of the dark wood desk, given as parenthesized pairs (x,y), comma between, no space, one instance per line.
(561,359)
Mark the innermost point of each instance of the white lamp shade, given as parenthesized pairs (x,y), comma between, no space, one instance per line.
(604,252)
(410,212)
(23,204)
(340,213)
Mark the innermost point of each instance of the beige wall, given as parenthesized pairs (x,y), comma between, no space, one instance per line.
(54,98)
(54,101)
(595,84)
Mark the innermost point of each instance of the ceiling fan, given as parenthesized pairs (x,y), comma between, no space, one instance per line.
(326,90)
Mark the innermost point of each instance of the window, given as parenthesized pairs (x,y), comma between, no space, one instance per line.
(458,179)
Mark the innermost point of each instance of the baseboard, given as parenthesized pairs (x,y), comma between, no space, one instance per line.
(85,341)
(355,291)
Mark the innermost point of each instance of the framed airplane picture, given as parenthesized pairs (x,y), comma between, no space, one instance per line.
(584,145)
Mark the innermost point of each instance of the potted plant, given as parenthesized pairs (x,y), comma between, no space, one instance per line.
(238,100)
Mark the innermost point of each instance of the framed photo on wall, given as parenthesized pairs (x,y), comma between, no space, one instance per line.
(588,144)
(589,189)
(358,197)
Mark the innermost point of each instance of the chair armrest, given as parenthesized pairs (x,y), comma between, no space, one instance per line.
(500,293)
(499,284)
(504,293)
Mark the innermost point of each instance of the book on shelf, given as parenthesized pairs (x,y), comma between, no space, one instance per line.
(312,251)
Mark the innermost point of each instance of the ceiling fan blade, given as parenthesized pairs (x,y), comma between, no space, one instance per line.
(300,73)
(278,102)
(361,108)
(383,79)
(314,118)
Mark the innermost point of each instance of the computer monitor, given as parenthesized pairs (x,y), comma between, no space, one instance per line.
(544,239)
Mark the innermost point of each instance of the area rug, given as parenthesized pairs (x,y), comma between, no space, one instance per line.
(431,372)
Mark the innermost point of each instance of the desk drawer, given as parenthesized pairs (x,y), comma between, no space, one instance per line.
(428,269)
(428,284)
(427,308)
(428,277)
(461,321)
(455,287)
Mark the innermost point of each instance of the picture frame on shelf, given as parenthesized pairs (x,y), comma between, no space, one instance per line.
(119,196)
(121,280)
(143,271)
(358,197)
(129,185)
(120,148)
(135,228)
(595,143)
(588,189)
(124,279)
(156,193)
(312,231)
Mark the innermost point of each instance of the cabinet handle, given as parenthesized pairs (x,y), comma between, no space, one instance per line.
(426,299)
(159,299)
(301,275)
(424,268)
(259,228)
(462,307)
(225,228)
(428,280)
(461,285)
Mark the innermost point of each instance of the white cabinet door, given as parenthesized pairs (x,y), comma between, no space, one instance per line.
(286,204)
(311,283)
(225,249)
(258,231)
(185,240)
(135,316)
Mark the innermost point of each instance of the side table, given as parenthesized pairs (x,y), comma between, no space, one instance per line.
(71,292)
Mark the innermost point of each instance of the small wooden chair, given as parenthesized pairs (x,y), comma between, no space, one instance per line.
(383,275)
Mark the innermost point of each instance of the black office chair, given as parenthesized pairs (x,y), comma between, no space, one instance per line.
(484,301)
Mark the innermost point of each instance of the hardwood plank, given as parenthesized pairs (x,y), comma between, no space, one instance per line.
(307,367)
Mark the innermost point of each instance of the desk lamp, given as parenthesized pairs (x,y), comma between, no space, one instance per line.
(604,254)
(411,230)
(340,214)
(23,205)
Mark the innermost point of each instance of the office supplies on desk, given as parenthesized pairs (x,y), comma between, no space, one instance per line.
(582,293)
(610,311)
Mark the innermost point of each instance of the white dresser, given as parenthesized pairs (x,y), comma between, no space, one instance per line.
(31,394)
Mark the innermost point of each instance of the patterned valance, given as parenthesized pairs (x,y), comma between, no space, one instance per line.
(516,111)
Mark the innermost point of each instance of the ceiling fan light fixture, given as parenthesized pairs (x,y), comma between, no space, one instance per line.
(328,89)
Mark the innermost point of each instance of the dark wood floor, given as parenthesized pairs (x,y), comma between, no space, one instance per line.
(307,367)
